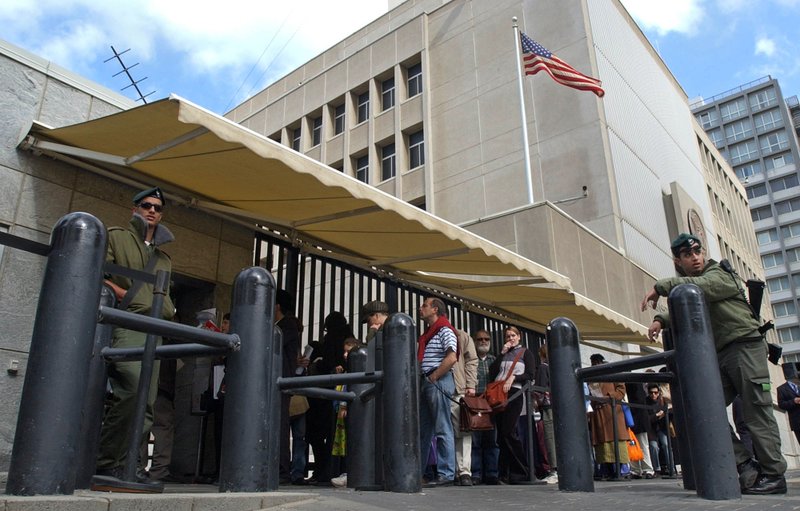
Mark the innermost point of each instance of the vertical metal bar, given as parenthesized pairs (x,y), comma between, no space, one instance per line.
(49,420)
(361,426)
(312,291)
(281,281)
(401,414)
(301,291)
(341,288)
(353,303)
(332,289)
(391,296)
(698,370)
(145,375)
(257,251)
(323,275)
(252,402)
(569,410)
(687,470)
(95,398)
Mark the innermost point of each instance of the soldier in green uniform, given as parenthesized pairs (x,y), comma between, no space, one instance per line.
(138,247)
(742,355)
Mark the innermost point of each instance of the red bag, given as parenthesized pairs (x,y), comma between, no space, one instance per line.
(494,393)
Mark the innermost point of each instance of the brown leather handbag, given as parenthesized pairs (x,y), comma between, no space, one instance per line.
(476,414)
(495,395)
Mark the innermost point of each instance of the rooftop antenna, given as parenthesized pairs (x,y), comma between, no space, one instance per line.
(126,70)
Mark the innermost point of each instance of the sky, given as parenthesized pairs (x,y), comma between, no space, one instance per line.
(217,54)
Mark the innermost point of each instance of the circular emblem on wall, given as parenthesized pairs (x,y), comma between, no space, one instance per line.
(696,227)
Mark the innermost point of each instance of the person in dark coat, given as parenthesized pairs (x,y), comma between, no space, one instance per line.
(789,400)
(642,428)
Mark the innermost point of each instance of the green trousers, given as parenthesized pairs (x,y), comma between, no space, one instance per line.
(120,407)
(744,371)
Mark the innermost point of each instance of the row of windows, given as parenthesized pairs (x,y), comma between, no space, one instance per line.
(790,334)
(361,108)
(776,185)
(736,108)
(387,154)
(782,207)
(783,309)
(778,284)
(776,258)
(748,150)
(771,235)
(754,168)
(743,128)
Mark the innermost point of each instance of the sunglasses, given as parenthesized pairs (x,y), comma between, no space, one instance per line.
(148,205)
(694,250)
(653,392)
(482,339)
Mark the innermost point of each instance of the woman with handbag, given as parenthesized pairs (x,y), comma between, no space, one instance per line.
(514,367)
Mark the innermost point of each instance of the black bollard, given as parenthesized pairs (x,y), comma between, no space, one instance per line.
(681,425)
(401,456)
(573,448)
(698,371)
(252,399)
(360,429)
(95,398)
(44,456)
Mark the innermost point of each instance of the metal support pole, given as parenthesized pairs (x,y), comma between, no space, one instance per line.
(168,351)
(573,448)
(145,375)
(681,425)
(375,363)
(43,459)
(94,401)
(615,432)
(401,406)
(698,370)
(361,430)
(252,399)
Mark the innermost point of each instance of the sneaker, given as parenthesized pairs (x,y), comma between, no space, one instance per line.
(340,482)
(551,478)
(464,480)
(767,485)
(748,473)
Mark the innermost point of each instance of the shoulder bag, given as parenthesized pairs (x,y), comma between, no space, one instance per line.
(495,395)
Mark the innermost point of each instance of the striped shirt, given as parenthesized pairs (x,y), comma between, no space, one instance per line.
(483,372)
(436,349)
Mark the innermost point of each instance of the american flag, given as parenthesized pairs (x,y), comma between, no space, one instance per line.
(536,57)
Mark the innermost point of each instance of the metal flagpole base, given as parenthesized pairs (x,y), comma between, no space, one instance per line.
(112,484)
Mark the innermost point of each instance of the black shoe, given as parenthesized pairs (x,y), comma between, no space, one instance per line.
(465,480)
(767,485)
(440,481)
(299,481)
(748,473)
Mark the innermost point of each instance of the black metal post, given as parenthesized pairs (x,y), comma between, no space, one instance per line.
(95,398)
(400,426)
(375,363)
(145,375)
(615,432)
(167,351)
(361,430)
(681,425)
(252,400)
(698,370)
(573,448)
(43,459)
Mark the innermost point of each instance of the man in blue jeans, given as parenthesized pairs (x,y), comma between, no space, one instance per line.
(437,353)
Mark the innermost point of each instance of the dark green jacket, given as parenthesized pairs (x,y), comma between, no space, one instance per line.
(126,247)
(731,317)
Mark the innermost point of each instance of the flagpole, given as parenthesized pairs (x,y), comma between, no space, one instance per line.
(525,148)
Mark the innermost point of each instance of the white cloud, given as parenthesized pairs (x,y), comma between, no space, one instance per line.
(765,46)
(681,16)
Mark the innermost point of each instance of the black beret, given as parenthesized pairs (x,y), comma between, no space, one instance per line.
(150,192)
(373,307)
(684,240)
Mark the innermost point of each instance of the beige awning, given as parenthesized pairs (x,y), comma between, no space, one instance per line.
(219,165)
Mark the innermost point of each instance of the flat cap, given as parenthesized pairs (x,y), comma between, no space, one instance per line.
(150,192)
(597,358)
(373,307)
(684,240)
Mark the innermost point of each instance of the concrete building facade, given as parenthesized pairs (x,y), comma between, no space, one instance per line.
(752,127)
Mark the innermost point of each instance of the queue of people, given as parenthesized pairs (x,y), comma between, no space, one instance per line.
(453,364)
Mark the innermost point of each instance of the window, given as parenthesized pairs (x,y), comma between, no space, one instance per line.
(778,161)
(773,142)
(416,149)
(789,334)
(783,309)
(716,137)
(758,190)
(746,171)
(733,109)
(793,255)
(767,237)
(796,280)
(739,130)
(296,139)
(742,152)
(362,169)
(790,231)
(387,94)
(763,99)
(316,131)
(772,260)
(414,80)
(783,183)
(761,213)
(768,120)
(338,119)
(363,107)
(708,119)
(787,206)
(778,284)
(388,168)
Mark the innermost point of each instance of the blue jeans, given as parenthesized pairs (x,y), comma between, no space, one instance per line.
(298,425)
(660,452)
(484,454)
(434,420)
